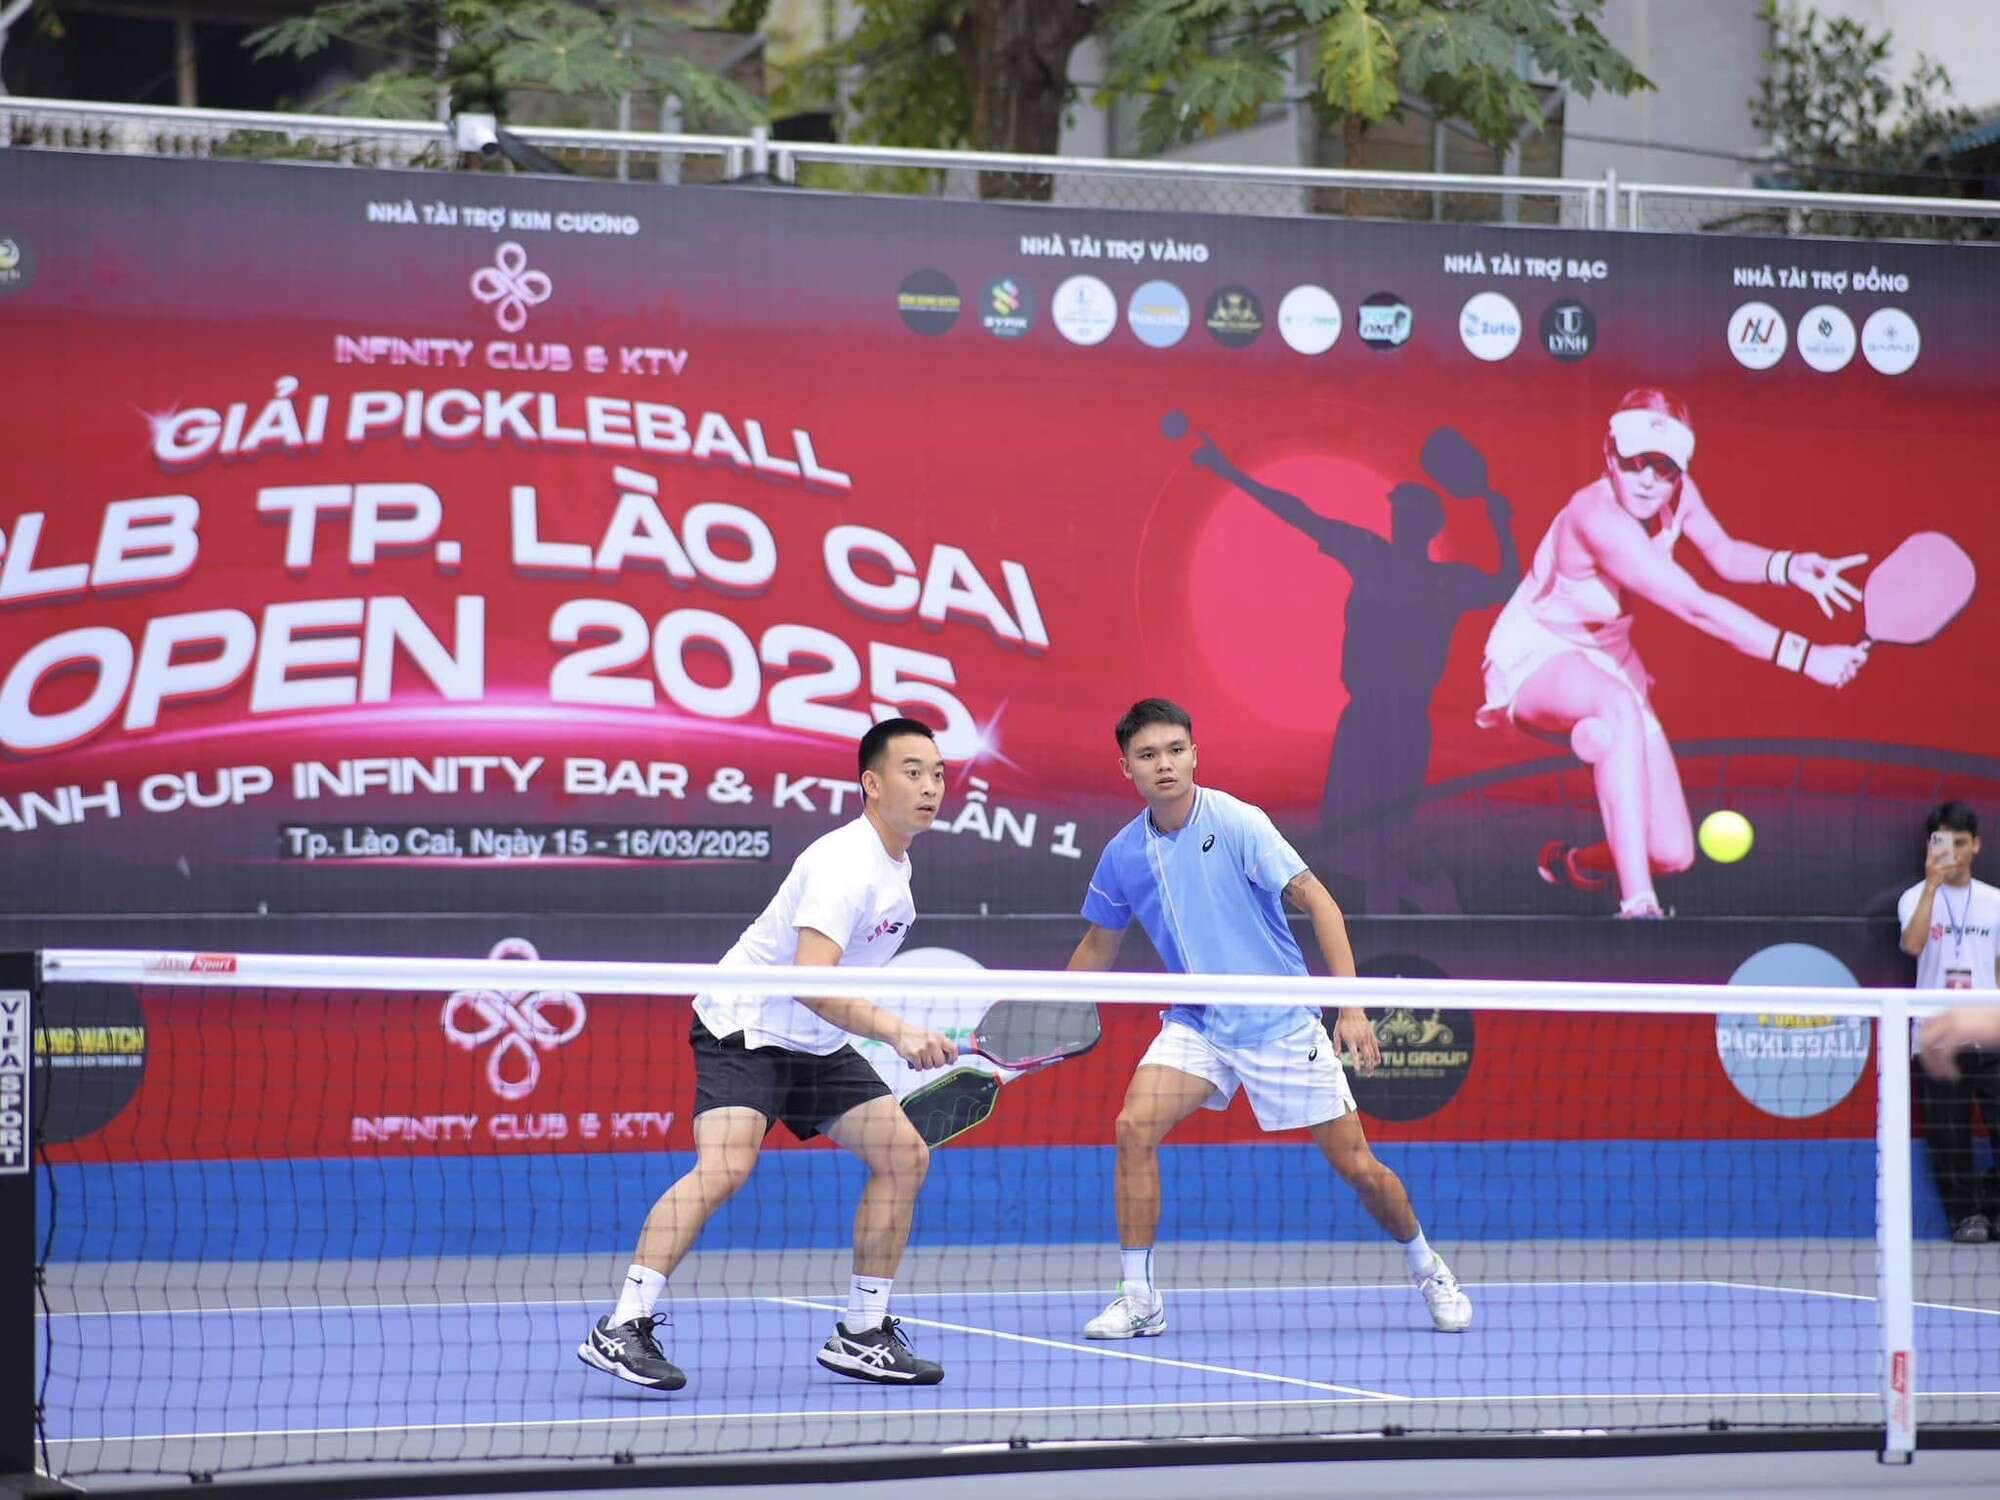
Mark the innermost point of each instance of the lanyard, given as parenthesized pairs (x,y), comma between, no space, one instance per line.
(1956,925)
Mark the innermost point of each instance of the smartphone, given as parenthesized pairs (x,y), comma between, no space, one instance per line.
(1941,846)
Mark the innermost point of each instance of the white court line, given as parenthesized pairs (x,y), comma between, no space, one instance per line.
(1102,1352)
(1808,1291)
(908,1412)
(967,1292)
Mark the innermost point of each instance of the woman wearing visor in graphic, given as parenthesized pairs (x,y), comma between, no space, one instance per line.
(1560,662)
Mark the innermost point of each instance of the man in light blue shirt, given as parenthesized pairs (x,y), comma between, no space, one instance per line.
(1204,873)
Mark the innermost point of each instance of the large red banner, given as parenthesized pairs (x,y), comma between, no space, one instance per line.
(419,542)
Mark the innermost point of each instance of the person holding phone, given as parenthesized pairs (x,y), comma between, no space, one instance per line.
(1949,921)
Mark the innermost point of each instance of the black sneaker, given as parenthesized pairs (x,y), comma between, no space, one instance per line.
(882,1355)
(630,1352)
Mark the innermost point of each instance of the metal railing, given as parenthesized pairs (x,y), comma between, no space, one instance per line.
(1170,186)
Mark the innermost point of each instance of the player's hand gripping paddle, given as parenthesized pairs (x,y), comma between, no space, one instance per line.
(1019,1035)
(1916,590)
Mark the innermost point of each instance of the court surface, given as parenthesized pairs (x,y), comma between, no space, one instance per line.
(224,1367)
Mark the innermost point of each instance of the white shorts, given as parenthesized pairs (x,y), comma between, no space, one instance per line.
(1293,1081)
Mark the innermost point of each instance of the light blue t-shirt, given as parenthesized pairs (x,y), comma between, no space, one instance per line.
(1210,897)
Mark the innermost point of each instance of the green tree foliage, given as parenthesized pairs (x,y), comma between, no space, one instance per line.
(481,50)
(1836,121)
(1211,64)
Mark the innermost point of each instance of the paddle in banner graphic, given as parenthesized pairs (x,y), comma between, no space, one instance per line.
(1916,591)
(1019,1036)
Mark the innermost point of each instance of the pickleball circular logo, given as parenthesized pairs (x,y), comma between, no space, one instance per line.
(1234,317)
(1159,314)
(1757,335)
(90,1045)
(1309,319)
(1426,1050)
(928,303)
(1826,338)
(1793,1066)
(1084,310)
(1007,308)
(1569,331)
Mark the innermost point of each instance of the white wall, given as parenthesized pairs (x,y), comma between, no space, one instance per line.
(1705,58)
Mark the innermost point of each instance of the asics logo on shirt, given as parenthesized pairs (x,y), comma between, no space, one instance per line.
(1208,843)
(1313,1056)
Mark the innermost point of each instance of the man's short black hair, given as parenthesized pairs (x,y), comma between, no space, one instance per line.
(1148,712)
(1955,816)
(875,743)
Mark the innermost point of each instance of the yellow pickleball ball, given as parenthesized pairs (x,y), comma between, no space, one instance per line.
(1726,836)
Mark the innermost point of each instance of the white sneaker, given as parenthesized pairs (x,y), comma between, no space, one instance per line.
(1451,1309)
(1129,1317)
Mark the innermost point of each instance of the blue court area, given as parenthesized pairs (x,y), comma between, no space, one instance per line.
(502,1378)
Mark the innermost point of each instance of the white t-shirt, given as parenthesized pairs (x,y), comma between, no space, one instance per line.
(844,885)
(1959,953)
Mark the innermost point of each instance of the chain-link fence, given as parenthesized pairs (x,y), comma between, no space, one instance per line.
(1175,187)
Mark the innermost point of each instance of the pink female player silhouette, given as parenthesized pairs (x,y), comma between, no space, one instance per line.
(1560,661)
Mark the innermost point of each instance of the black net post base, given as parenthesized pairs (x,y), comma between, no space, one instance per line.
(20,1247)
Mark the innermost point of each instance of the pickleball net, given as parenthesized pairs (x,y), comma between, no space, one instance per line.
(298,1211)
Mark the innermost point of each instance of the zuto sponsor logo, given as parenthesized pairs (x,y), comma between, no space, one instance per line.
(1757,335)
(1826,338)
(1568,331)
(519,1024)
(1890,341)
(1489,325)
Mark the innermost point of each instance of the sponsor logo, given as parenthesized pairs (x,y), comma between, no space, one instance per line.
(1426,1052)
(93,1039)
(1084,310)
(1757,335)
(1159,314)
(15,1107)
(1489,325)
(1890,341)
(1235,317)
(1384,321)
(928,303)
(1007,308)
(884,928)
(520,1025)
(1826,338)
(1208,843)
(1569,331)
(1309,319)
(510,288)
(190,963)
(17,267)
(1786,1065)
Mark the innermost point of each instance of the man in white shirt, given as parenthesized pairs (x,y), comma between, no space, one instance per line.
(760,1059)
(1949,921)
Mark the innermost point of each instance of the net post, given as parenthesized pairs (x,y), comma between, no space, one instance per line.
(1895,1252)
(19,1252)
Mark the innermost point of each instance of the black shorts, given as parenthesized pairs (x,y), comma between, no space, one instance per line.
(802,1089)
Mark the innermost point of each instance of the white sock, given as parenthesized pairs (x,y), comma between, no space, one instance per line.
(1418,1256)
(636,1297)
(1137,1274)
(867,1302)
